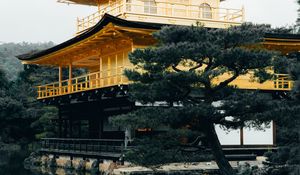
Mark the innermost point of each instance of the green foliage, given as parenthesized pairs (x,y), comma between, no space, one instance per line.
(22,116)
(287,158)
(148,150)
(180,71)
(44,125)
(9,63)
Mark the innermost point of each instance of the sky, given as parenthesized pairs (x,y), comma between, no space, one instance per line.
(47,20)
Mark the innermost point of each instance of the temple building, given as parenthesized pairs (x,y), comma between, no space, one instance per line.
(101,46)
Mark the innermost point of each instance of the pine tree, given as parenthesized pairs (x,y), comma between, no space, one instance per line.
(287,159)
(181,72)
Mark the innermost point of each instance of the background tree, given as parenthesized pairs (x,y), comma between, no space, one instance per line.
(20,112)
(181,71)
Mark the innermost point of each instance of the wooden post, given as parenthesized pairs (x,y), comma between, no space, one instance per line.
(60,79)
(116,70)
(242,136)
(100,72)
(274,133)
(70,78)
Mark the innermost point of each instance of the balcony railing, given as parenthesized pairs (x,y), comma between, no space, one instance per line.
(283,82)
(112,77)
(95,80)
(95,147)
(166,13)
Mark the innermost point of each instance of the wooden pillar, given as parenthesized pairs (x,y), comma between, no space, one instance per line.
(242,136)
(70,78)
(60,79)
(100,72)
(274,133)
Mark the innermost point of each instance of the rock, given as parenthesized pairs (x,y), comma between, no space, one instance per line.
(45,160)
(68,164)
(34,159)
(95,167)
(52,162)
(81,165)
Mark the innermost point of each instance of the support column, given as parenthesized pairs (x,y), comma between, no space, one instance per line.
(70,78)
(100,72)
(242,136)
(274,133)
(60,79)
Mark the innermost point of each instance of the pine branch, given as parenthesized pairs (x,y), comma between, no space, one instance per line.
(196,67)
(176,69)
(226,82)
(209,65)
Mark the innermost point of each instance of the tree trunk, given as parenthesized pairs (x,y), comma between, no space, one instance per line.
(223,164)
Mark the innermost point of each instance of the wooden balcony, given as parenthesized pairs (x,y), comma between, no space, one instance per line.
(95,80)
(165,13)
(113,77)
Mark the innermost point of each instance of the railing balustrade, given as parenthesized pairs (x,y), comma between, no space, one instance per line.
(112,77)
(283,82)
(82,145)
(95,80)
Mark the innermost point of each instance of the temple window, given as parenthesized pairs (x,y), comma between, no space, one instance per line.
(205,11)
(150,7)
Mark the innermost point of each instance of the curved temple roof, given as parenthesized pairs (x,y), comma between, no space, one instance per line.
(100,25)
(286,43)
(283,42)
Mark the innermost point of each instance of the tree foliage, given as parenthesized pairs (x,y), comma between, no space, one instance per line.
(287,158)
(182,71)
(20,111)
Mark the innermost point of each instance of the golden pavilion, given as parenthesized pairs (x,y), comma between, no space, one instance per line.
(101,46)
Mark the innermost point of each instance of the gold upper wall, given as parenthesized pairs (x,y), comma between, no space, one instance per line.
(178,12)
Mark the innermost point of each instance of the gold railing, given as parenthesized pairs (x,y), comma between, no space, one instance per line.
(283,82)
(163,11)
(112,77)
(91,20)
(95,80)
